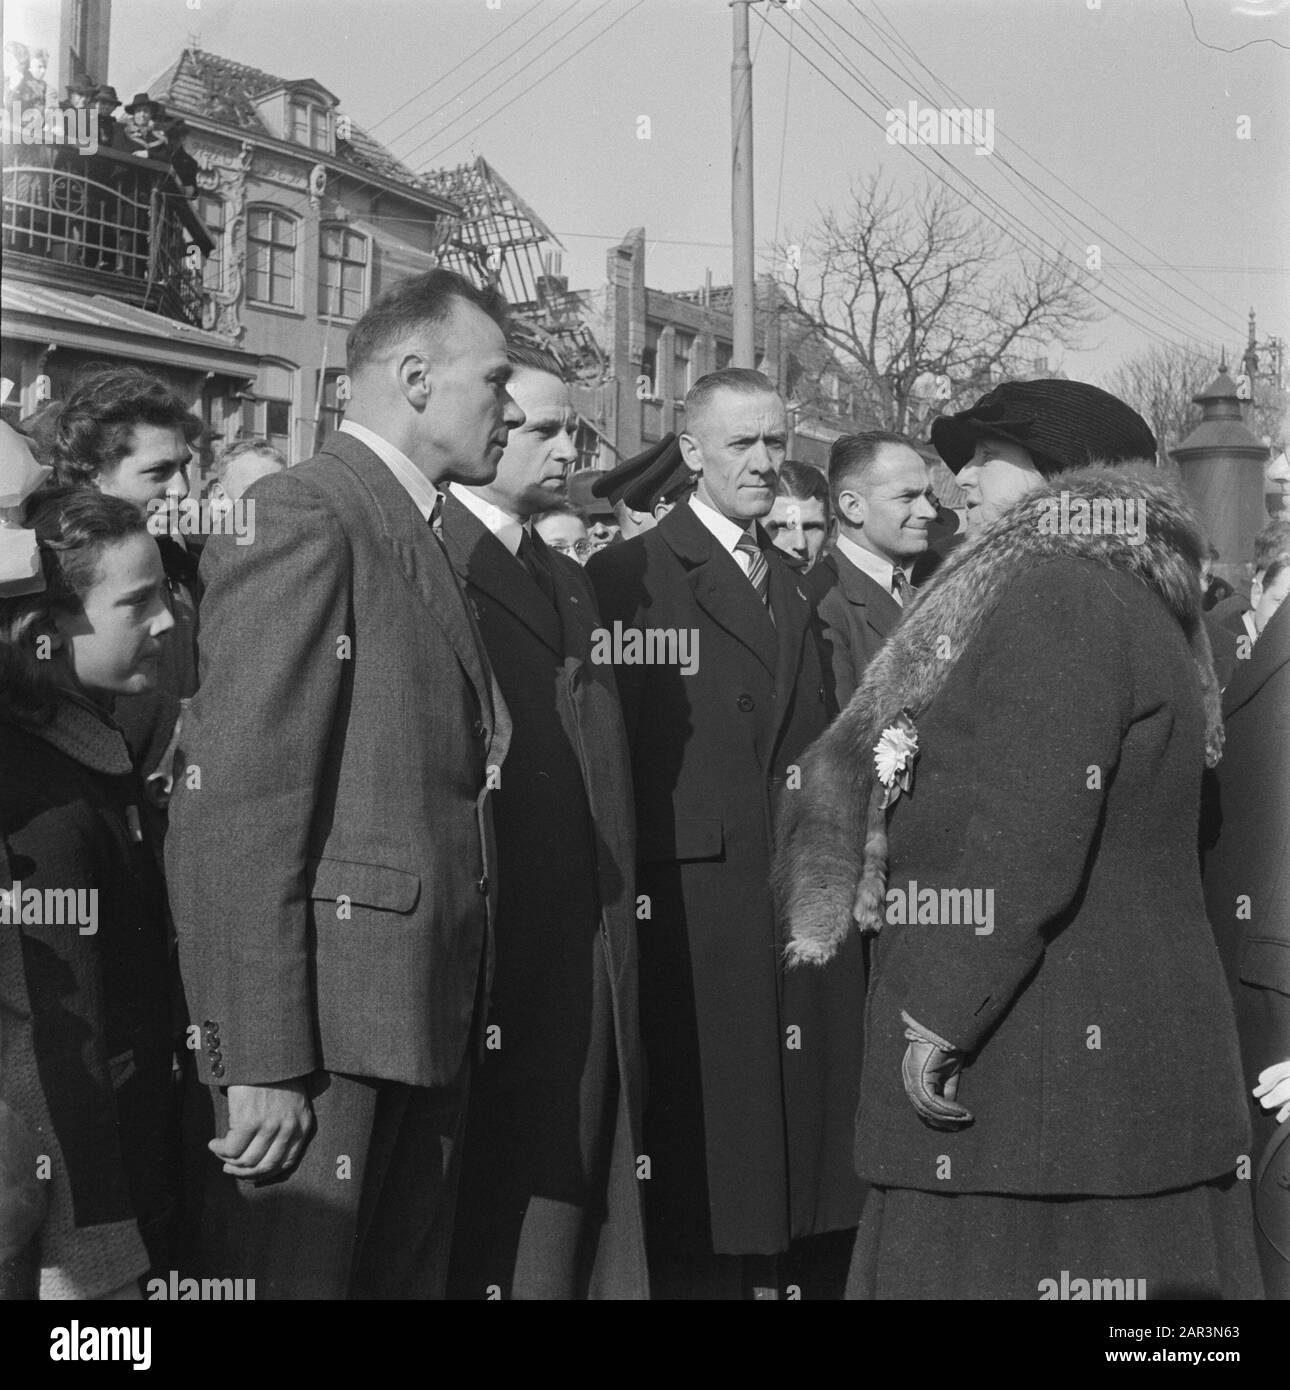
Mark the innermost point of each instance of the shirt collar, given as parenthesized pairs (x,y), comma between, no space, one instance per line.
(1251,631)
(419,488)
(728,533)
(507,527)
(877,567)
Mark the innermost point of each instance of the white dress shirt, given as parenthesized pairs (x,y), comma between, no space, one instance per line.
(506,526)
(728,533)
(877,567)
(419,488)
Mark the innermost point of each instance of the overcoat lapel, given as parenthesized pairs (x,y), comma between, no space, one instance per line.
(1269,654)
(792,609)
(719,586)
(484,562)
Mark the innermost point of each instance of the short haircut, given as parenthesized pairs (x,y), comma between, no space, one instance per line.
(1278,567)
(94,430)
(563,509)
(803,482)
(743,380)
(421,300)
(536,359)
(73,527)
(1272,542)
(851,458)
(259,447)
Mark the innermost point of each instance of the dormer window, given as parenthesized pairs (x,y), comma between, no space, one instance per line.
(310,124)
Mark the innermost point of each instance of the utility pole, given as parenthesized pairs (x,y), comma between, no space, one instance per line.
(741,189)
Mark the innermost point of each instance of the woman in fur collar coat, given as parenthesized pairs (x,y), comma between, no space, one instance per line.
(1051,1089)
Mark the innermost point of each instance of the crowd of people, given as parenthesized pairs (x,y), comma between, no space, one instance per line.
(898,911)
(73,189)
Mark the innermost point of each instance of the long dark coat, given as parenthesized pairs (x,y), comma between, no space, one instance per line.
(555,1108)
(1247,871)
(752,1080)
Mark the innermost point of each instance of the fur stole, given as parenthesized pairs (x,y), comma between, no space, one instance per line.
(831,860)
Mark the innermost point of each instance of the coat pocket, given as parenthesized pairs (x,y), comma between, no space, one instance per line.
(369,885)
(687,837)
(1266,963)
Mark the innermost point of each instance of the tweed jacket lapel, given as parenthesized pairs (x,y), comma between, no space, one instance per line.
(719,586)
(484,562)
(421,558)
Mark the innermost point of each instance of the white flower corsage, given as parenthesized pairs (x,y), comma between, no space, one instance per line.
(893,756)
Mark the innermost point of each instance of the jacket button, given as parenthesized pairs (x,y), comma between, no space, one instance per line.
(482,885)
(477,728)
(217,1068)
(746,703)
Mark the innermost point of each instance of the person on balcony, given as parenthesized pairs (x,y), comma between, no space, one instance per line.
(25,163)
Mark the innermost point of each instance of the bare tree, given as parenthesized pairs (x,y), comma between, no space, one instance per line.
(1159,383)
(923,302)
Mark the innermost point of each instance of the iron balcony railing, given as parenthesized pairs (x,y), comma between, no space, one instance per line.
(109,223)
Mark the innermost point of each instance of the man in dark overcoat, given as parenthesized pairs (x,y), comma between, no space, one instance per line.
(550,1205)
(1247,884)
(752,1079)
(331,859)
(881,490)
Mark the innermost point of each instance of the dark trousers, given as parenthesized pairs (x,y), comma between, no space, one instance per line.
(367,1213)
(812,1268)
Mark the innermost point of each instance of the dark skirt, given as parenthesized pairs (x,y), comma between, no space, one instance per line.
(1193,1243)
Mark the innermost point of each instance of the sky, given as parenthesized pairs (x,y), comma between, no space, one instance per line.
(1172,153)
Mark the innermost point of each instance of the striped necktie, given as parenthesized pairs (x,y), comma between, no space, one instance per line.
(758,565)
(901,587)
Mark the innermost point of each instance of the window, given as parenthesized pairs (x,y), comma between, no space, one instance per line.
(310,125)
(268,413)
(332,407)
(342,273)
(682,363)
(649,357)
(271,258)
(210,211)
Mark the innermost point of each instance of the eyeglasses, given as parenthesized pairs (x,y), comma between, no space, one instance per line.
(581,549)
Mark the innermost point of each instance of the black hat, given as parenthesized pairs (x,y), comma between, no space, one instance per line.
(176,128)
(582,494)
(639,470)
(1061,424)
(665,482)
(143,99)
(106,93)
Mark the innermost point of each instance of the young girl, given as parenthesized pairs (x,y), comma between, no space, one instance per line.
(85,998)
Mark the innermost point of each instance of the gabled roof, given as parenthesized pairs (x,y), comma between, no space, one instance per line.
(203,84)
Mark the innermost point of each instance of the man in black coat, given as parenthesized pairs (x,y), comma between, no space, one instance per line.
(883,500)
(1247,890)
(752,1078)
(550,1206)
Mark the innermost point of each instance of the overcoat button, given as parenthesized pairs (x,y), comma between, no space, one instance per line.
(482,885)
(746,703)
(477,728)
(217,1068)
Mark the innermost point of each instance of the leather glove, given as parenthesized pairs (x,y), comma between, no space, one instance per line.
(930,1073)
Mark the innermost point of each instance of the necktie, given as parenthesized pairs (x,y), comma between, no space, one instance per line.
(758,566)
(436,516)
(901,587)
(527,556)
